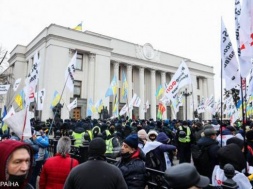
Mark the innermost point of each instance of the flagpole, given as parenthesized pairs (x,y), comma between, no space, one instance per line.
(193,103)
(22,139)
(221,105)
(58,103)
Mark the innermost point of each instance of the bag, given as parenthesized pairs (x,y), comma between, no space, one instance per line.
(201,160)
(152,161)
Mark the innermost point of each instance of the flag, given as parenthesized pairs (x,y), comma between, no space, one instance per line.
(4,114)
(180,78)
(40,96)
(56,99)
(79,27)
(115,110)
(159,91)
(4,89)
(161,110)
(16,84)
(146,106)
(90,108)
(137,102)
(125,86)
(69,73)
(20,124)
(99,105)
(112,90)
(19,99)
(246,37)
(230,68)
(177,102)
(72,105)
(123,110)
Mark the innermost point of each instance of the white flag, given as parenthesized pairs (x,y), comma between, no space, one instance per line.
(230,67)
(10,113)
(130,105)
(4,89)
(72,105)
(146,106)
(246,37)
(137,102)
(69,73)
(180,78)
(123,110)
(40,101)
(16,84)
(20,124)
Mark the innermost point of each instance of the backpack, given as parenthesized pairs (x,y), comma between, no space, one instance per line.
(152,161)
(201,160)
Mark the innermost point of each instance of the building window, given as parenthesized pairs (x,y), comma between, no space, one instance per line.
(79,62)
(198,98)
(197,82)
(77,88)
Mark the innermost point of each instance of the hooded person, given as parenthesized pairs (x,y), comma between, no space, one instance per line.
(157,152)
(16,164)
(152,134)
(96,172)
(233,155)
(142,138)
(132,163)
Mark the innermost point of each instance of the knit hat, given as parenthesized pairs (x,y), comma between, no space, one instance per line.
(97,147)
(237,141)
(132,141)
(142,134)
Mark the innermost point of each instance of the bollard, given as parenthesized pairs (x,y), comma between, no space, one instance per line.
(229,172)
(83,151)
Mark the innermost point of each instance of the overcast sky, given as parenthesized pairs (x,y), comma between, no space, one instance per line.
(188,28)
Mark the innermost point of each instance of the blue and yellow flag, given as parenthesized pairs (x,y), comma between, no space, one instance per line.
(112,90)
(79,27)
(159,91)
(125,86)
(19,99)
(56,99)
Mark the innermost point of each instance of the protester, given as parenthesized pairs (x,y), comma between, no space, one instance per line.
(132,163)
(185,176)
(233,155)
(142,138)
(96,172)
(209,145)
(56,169)
(16,163)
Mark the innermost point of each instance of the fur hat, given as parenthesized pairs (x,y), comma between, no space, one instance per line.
(142,134)
(187,173)
(97,147)
(132,141)
(151,132)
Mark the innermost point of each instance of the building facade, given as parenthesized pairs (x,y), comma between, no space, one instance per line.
(99,59)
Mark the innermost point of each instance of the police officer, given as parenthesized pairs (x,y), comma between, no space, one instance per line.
(184,139)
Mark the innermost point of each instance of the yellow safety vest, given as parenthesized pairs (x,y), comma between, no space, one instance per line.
(109,146)
(187,138)
(78,138)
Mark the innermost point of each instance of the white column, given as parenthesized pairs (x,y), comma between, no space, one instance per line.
(152,97)
(130,87)
(91,77)
(163,80)
(116,74)
(141,92)
(206,114)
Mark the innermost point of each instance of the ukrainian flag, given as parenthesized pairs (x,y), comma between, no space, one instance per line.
(56,99)
(79,27)
(125,86)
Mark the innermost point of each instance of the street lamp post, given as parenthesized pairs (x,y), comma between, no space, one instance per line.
(186,94)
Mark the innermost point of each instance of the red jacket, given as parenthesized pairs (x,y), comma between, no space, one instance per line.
(55,171)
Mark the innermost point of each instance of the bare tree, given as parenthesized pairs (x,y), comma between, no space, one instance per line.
(3,59)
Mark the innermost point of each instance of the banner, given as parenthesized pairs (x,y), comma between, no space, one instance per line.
(69,73)
(16,84)
(72,105)
(4,89)
(40,101)
(180,78)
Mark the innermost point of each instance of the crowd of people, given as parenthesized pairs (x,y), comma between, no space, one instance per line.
(135,145)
